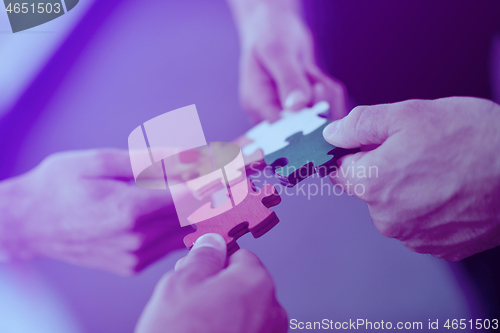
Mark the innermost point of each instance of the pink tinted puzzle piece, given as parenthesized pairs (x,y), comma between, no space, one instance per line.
(252,214)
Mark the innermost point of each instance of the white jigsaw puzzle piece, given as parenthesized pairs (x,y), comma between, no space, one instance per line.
(272,137)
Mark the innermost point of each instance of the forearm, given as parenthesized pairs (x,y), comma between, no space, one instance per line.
(11,210)
(244,10)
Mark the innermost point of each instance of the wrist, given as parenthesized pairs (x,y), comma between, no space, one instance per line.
(12,208)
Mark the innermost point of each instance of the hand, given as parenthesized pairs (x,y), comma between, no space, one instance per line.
(203,296)
(83,208)
(278,69)
(438,183)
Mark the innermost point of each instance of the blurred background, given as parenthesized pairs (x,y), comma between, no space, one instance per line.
(87,79)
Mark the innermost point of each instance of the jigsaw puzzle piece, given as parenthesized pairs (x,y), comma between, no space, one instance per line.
(305,156)
(252,214)
(271,137)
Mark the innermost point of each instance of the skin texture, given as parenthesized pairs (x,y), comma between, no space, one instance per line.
(438,184)
(202,295)
(278,69)
(83,208)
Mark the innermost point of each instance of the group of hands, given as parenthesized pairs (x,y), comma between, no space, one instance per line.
(437,189)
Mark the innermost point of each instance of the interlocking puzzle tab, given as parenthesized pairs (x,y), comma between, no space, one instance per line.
(305,156)
(208,183)
(250,215)
(270,137)
(294,145)
(266,138)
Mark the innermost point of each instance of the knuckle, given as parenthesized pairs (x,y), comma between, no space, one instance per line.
(412,246)
(266,283)
(365,191)
(373,189)
(274,49)
(248,257)
(412,108)
(423,247)
(258,281)
(103,156)
(387,229)
(364,122)
(365,117)
(245,254)
(353,122)
(355,115)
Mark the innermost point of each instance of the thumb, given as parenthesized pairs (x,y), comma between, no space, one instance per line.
(292,82)
(206,258)
(364,125)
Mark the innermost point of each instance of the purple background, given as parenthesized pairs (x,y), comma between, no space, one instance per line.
(129,61)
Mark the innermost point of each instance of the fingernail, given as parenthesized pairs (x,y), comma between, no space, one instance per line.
(295,98)
(330,130)
(210,240)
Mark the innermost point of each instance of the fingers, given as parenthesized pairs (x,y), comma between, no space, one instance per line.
(109,163)
(364,125)
(243,264)
(281,325)
(328,89)
(272,83)
(206,258)
(247,269)
(346,174)
(154,252)
(292,83)
(97,256)
(149,206)
(244,258)
(362,174)
(257,91)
